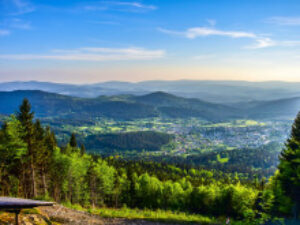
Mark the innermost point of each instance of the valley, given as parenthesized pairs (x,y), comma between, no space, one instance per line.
(162,127)
(189,136)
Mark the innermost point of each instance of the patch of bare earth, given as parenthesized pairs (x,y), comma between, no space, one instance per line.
(66,216)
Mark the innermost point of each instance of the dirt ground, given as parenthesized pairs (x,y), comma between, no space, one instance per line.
(67,216)
(59,215)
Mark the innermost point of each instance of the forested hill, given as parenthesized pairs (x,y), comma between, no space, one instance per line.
(117,107)
(277,108)
(49,104)
(175,106)
(126,107)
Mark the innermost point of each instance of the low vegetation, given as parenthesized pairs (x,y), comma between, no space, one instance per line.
(165,216)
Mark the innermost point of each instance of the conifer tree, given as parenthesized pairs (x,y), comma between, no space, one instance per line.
(12,149)
(289,166)
(73,141)
(25,116)
(82,149)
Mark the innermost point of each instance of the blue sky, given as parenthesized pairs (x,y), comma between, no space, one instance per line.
(90,41)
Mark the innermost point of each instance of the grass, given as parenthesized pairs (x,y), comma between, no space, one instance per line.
(164,216)
(222,160)
(157,215)
(95,128)
(26,217)
(115,129)
(237,123)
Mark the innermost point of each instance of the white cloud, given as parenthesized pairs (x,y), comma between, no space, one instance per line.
(204,57)
(92,54)
(119,6)
(4,32)
(288,21)
(267,42)
(135,4)
(105,22)
(260,41)
(195,32)
(263,43)
(211,22)
(94,8)
(290,43)
(16,23)
(22,7)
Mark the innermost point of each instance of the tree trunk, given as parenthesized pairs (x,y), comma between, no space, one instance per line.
(296,210)
(34,191)
(44,182)
(24,184)
(117,200)
(92,190)
(56,193)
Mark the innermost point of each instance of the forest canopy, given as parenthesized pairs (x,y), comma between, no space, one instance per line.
(141,140)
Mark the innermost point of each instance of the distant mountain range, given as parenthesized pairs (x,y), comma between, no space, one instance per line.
(225,92)
(126,107)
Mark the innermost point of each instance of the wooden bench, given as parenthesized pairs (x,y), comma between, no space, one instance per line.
(15,205)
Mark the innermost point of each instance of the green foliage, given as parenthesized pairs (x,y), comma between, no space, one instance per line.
(260,161)
(82,149)
(287,180)
(148,140)
(12,151)
(73,142)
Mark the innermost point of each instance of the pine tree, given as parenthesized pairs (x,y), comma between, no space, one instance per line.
(82,149)
(40,160)
(73,142)
(92,183)
(289,166)
(25,116)
(51,145)
(12,149)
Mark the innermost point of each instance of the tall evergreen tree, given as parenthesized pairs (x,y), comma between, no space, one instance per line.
(12,149)
(289,167)
(82,149)
(25,116)
(73,141)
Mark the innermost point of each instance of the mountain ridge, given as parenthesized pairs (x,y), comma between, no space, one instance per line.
(122,107)
(156,104)
(212,91)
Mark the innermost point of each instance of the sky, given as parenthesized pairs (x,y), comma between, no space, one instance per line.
(76,41)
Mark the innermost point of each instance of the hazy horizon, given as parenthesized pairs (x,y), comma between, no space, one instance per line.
(150,80)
